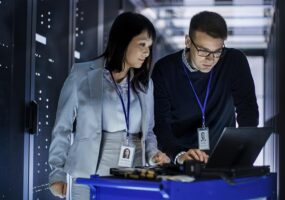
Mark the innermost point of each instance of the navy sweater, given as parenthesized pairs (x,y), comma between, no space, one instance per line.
(177,113)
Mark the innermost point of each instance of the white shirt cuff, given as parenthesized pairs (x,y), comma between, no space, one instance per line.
(151,163)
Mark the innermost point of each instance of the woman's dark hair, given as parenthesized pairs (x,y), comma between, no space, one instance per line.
(209,22)
(125,27)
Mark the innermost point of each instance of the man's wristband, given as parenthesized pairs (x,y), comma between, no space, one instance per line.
(178,161)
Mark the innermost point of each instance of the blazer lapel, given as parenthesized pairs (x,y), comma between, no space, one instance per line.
(95,81)
(144,110)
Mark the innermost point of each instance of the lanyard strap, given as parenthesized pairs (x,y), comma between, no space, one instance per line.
(202,107)
(126,111)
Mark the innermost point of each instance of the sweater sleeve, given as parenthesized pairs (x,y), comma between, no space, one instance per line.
(162,112)
(243,92)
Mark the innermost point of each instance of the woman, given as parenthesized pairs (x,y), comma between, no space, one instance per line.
(111,99)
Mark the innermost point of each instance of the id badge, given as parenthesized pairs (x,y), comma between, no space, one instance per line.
(127,154)
(203,138)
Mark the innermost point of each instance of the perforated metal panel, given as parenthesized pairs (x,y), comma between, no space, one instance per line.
(86,30)
(53,58)
(93,22)
(15,61)
(6,53)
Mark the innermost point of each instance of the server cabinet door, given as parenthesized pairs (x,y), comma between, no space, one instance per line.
(54,50)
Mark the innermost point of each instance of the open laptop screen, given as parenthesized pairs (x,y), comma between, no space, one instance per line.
(238,147)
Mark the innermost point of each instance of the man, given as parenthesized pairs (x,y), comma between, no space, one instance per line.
(200,90)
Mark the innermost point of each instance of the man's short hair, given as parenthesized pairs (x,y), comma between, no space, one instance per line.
(210,23)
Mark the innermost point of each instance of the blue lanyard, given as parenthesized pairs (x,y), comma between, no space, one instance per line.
(202,107)
(126,112)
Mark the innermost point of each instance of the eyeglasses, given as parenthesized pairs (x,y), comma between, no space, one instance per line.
(205,53)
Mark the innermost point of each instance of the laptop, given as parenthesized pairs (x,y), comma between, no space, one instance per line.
(238,147)
(234,154)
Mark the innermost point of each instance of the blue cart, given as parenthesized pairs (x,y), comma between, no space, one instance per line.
(105,188)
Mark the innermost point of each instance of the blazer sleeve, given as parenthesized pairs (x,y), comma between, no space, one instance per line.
(151,142)
(243,92)
(63,127)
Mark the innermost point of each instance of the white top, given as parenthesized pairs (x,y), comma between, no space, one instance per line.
(113,113)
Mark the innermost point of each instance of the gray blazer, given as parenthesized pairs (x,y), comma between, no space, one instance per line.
(81,98)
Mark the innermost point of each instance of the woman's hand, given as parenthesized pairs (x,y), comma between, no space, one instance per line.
(160,158)
(58,189)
